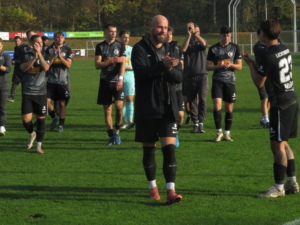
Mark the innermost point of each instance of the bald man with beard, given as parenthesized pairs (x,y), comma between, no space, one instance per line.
(156,71)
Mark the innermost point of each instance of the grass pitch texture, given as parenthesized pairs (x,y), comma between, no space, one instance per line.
(80,180)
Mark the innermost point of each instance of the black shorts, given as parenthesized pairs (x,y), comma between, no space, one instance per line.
(149,131)
(180,101)
(262,93)
(283,123)
(225,91)
(58,92)
(36,104)
(107,91)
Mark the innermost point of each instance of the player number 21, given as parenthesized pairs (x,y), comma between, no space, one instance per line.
(285,65)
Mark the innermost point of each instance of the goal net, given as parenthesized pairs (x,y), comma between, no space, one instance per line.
(90,47)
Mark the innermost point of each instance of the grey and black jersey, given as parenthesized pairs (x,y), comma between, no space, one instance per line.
(5,60)
(219,55)
(277,67)
(108,52)
(34,79)
(195,60)
(58,72)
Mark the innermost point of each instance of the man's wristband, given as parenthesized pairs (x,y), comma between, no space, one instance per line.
(121,77)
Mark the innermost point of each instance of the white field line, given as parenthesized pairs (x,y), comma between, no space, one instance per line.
(295,222)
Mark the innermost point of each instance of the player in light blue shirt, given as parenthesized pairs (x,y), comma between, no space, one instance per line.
(129,84)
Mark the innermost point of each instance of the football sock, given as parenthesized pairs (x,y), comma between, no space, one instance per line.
(279,186)
(28,126)
(228,121)
(39,144)
(169,163)
(171,185)
(266,118)
(40,131)
(291,168)
(110,133)
(152,184)
(52,114)
(61,122)
(279,173)
(149,162)
(130,110)
(227,132)
(117,126)
(292,179)
(124,113)
(218,119)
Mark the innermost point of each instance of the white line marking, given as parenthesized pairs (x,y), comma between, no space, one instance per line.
(295,222)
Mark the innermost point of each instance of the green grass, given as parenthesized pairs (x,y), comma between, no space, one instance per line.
(80,180)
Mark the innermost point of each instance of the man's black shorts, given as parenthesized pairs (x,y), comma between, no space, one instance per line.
(225,91)
(149,131)
(57,92)
(107,91)
(283,123)
(36,104)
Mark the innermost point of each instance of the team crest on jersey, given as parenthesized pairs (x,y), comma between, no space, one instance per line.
(116,51)
(63,54)
(230,54)
(1,57)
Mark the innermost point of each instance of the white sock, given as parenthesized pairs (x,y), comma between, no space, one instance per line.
(152,184)
(279,187)
(219,130)
(266,118)
(292,179)
(227,132)
(171,185)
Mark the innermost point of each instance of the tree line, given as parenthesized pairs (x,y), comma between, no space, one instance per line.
(135,15)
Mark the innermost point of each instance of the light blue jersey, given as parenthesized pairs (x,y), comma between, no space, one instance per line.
(129,88)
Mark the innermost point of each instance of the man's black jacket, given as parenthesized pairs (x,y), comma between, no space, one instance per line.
(150,74)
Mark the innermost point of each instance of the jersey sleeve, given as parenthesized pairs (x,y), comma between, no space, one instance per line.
(210,55)
(237,53)
(262,67)
(98,51)
(69,54)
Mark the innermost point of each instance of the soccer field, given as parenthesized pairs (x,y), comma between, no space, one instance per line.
(81,181)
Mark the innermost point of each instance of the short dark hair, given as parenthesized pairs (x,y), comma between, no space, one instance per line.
(124,32)
(34,37)
(17,37)
(109,25)
(59,33)
(44,38)
(29,32)
(271,28)
(225,30)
